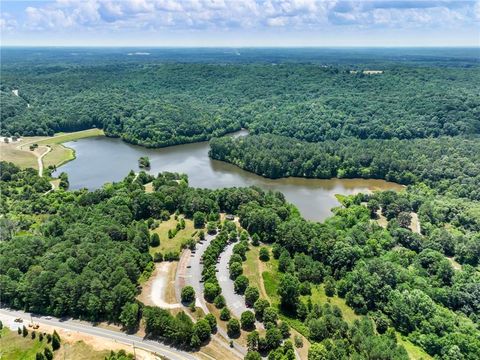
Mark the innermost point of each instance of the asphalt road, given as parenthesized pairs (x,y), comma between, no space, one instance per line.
(81,327)
(235,302)
(189,272)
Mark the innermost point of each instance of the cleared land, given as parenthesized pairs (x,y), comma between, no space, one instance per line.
(253,268)
(14,346)
(174,243)
(20,154)
(24,159)
(159,290)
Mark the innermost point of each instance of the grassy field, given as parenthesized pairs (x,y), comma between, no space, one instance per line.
(60,154)
(80,351)
(20,154)
(17,347)
(271,279)
(318,297)
(66,137)
(24,159)
(173,244)
(251,268)
(414,352)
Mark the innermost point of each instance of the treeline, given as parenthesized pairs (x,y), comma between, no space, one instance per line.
(81,253)
(450,165)
(165,104)
(400,279)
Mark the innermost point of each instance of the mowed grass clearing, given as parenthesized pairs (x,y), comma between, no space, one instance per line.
(16,347)
(80,351)
(175,243)
(318,297)
(60,154)
(21,158)
(66,137)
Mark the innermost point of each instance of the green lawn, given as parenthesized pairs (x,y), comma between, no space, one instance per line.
(271,279)
(414,352)
(17,347)
(66,137)
(318,297)
(175,243)
(251,269)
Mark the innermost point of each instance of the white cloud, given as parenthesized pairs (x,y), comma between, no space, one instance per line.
(277,21)
(247,14)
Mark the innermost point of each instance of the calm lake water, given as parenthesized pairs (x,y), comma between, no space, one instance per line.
(101,159)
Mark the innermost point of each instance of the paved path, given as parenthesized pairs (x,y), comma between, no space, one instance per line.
(74,325)
(189,272)
(40,161)
(235,302)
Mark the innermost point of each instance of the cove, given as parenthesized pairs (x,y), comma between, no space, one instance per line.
(101,159)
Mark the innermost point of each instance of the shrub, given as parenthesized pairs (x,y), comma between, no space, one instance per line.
(264,254)
(212,321)
(48,353)
(158,257)
(199,220)
(241,283)
(211,291)
(259,307)
(55,341)
(235,270)
(188,296)
(203,330)
(251,295)
(233,328)
(284,330)
(219,302)
(154,240)
(330,286)
(247,320)
(225,314)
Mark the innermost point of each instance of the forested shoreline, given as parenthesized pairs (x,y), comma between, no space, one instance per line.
(449,165)
(161,104)
(406,262)
(82,253)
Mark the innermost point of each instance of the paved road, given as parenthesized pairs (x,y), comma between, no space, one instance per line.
(189,272)
(235,302)
(73,325)
(40,161)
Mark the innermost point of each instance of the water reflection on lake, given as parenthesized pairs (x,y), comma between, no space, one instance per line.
(101,159)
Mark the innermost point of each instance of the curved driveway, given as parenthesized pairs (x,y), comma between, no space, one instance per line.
(235,302)
(73,325)
(189,272)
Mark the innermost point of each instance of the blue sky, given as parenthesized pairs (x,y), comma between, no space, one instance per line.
(239,23)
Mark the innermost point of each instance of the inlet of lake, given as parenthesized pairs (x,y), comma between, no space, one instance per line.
(102,159)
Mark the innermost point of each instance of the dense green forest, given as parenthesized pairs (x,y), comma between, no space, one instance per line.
(450,165)
(310,113)
(82,253)
(160,103)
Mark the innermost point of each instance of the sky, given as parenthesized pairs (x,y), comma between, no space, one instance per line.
(240,23)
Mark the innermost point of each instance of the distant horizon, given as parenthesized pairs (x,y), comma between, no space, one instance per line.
(247,47)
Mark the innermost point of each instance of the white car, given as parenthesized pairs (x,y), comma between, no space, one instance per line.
(48,318)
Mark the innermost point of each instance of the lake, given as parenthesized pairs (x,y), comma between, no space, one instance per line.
(101,159)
